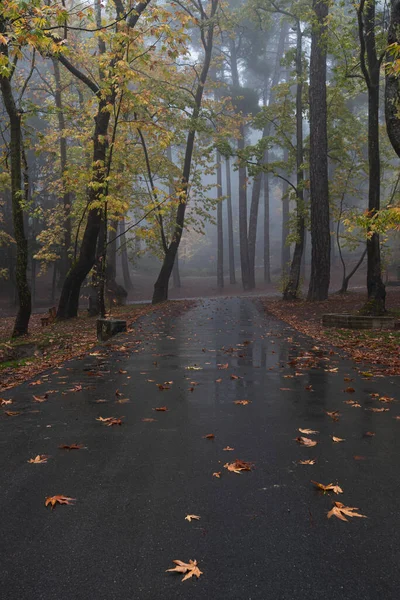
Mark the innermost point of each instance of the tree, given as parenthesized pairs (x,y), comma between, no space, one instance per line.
(319,187)
(392,88)
(7,69)
(370,66)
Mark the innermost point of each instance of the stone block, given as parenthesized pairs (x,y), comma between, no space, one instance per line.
(106,328)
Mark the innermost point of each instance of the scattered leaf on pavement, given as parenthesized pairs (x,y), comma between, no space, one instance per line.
(228,449)
(336,489)
(337,439)
(161,409)
(304,441)
(309,461)
(308,431)
(40,458)
(71,446)
(189,568)
(60,499)
(238,466)
(191,518)
(217,474)
(209,436)
(242,402)
(341,511)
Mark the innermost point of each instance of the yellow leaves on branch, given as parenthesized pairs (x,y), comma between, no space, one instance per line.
(336,489)
(341,511)
(191,569)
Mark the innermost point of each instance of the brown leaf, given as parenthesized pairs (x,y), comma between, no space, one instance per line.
(4,402)
(217,474)
(71,446)
(190,518)
(224,366)
(349,390)
(162,387)
(238,466)
(335,414)
(336,489)
(242,402)
(40,458)
(308,431)
(148,420)
(189,568)
(218,380)
(122,401)
(307,462)
(358,457)
(122,372)
(161,409)
(304,441)
(110,421)
(378,410)
(40,398)
(337,439)
(228,449)
(386,399)
(341,511)
(12,413)
(209,436)
(60,499)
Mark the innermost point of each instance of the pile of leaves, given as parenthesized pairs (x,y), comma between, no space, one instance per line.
(379,348)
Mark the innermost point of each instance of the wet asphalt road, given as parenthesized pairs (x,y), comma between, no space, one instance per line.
(262,534)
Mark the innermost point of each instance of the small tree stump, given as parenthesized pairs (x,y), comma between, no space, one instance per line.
(106,328)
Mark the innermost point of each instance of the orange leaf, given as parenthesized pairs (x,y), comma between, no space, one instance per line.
(60,499)
(189,568)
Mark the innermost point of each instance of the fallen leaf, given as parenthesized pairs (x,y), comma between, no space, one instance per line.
(335,414)
(60,499)
(40,458)
(161,408)
(218,380)
(337,439)
(310,461)
(191,518)
(369,434)
(189,568)
(40,398)
(122,401)
(378,410)
(122,372)
(148,420)
(161,386)
(4,402)
(358,457)
(336,489)
(242,402)
(228,449)
(386,399)
(217,474)
(71,446)
(238,466)
(308,431)
(209,436)
(349,390)
(12,413)
(341,511)
(224,366)
(110,421)
(304,441)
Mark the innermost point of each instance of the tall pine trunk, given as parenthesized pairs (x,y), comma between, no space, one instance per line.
(319,186)
(231,248)
(124,257)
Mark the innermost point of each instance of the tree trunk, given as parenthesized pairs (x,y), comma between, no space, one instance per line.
(392,88)
(220,231)
(176,275)
(292,286)
(14,115)
(371,70)
(319,186)
(69,299)
(65,258)
(161,285)
(243,239)
(267,260)
(232,273)
(285,249)
(124,257)
(253,220)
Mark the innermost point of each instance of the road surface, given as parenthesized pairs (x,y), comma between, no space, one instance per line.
(263,534)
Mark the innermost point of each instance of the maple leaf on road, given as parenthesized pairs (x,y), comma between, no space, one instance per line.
(40,398)
(12,413)
(4,402)
(189,568)
(217,474)
(40,458)
(161,409)
(341,511)
(308,431)
(335,414)
(228,449)
(238,466)
(60,499)
(328,488)
(305,441)
(310,461)
(191,518)
(337,439)
(209,436)
(242,402)
(71,446)
(110,421)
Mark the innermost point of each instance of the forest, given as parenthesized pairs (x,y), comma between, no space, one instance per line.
(252,142)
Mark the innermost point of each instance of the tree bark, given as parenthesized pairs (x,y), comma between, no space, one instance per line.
(319,186)
(124,257)
(220,231)
(267,258)
(392,88)
(285,249)
(243,239)
(253,221)
(24,295)
(292,287)
(161,285)
(231,249)
(65,257)
(370,65)
(176,275)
